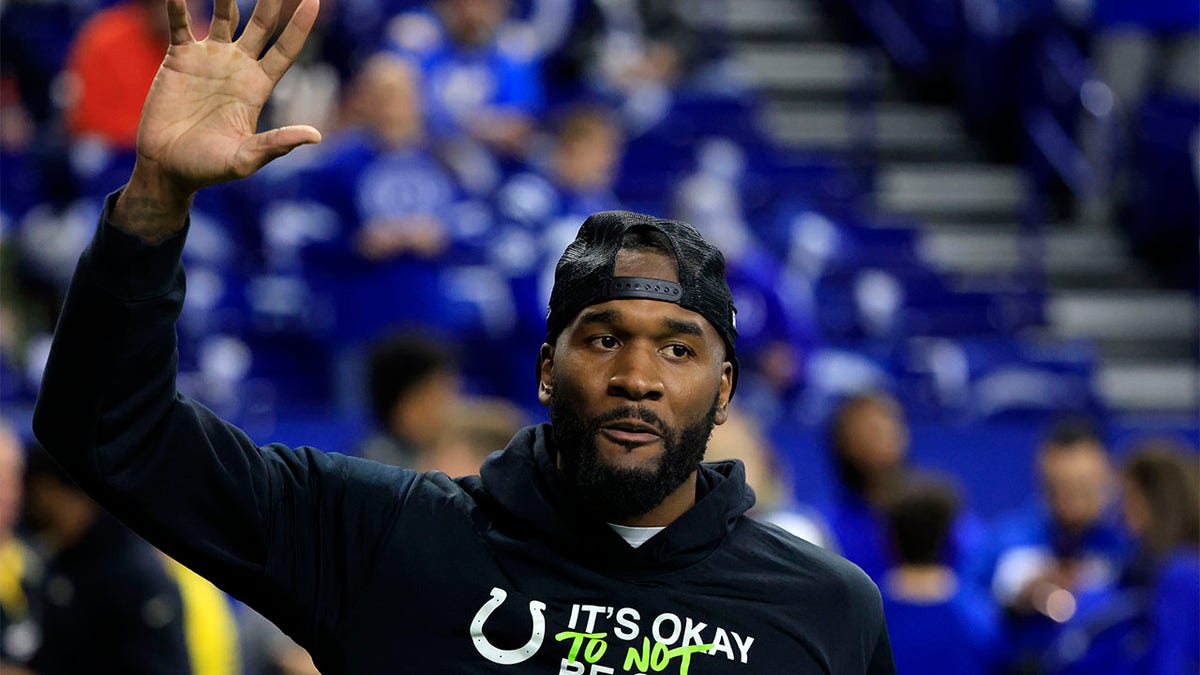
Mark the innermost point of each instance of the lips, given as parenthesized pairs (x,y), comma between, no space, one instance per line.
(630,432)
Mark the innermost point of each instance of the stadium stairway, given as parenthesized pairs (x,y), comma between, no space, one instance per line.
(825,95)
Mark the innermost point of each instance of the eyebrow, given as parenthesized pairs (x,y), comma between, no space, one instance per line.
(685,327)
(676,326)
(605,316)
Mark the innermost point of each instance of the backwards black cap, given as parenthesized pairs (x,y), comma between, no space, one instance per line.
(584,275)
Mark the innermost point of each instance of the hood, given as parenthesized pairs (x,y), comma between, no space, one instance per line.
(524,482)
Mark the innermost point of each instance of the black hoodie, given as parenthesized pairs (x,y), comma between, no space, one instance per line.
(376,569)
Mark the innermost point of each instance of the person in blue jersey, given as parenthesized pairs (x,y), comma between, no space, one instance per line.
(479,81)
(538,211)
(392,201)
(939,624)
(578,176)
(777,324)
(1149,622)
(1039,560)
(1161,482)
(595,542)
(869,441)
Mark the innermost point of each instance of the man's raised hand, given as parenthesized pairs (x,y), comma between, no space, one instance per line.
(198,124)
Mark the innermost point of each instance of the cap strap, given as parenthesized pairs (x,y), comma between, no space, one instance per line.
(646,288)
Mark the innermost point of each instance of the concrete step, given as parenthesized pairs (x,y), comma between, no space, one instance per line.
(1147,349)
(775,20)
(1123,314)
(1150,386)
(812,70)
(1133,276)
(949,192)
(996,249)
(900,130)
(1082,258)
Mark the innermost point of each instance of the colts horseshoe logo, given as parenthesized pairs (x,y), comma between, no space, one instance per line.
(507,657)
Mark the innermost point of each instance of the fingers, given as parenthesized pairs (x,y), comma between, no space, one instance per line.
(266,146)
(224,20)
(285,50)
(180,23)
(260,28)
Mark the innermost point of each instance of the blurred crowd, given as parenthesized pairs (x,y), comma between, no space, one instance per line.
(400,270)
(465,140)
(1099,573)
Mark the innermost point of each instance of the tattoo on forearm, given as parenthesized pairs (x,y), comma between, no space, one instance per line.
(151,219)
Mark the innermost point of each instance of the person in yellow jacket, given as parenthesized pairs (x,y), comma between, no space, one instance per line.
(19,564)
(209,625)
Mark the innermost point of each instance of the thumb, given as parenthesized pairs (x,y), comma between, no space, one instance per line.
(268,145)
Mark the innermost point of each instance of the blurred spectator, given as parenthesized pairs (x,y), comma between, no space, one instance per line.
(538,212)
(776,322)
(109,70)
(579,178)
(1149,622)
(541,210)
(634,51)
(775,502)
(13,319)
(869,438)
(49,238)
(20,567)
(111,63)
(587,154)
(386,101)
(309,92)
(869,442)
(476,428)
(1139,48)
(414,387)
(937,624)
(1162,510)
(35,37)
(106,599)
(380,216)
(1038,561)
(20,187)
(478,79)
(209,625)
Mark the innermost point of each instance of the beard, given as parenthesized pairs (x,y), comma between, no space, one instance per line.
(615,494)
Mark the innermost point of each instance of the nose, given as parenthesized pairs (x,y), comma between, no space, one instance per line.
(636,376)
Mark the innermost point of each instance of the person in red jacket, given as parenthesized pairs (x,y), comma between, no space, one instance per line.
(109,70)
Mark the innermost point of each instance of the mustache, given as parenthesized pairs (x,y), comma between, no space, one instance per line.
(626,412)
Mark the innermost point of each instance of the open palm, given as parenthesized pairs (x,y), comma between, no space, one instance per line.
(198,124)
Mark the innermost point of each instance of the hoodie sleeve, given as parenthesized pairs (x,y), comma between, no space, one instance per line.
(881,662)
(290,532)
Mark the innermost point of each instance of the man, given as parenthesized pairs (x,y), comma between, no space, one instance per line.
(20,565)
(392,203)
(376,569)
(939,624)
(1039,560)
(414,384)
(868,439)
(478,79)
(107,603)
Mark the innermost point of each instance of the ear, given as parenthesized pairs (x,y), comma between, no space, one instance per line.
(724,393)
(545,366)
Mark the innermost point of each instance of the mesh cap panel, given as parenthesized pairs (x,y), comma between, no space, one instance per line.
(584,274)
